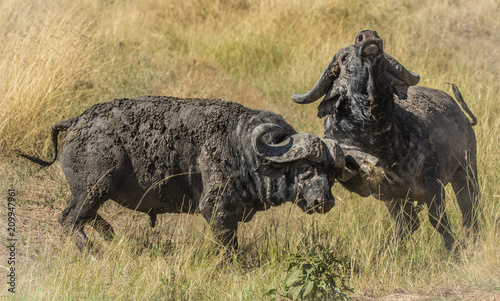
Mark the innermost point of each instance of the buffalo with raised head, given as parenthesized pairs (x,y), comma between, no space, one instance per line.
(403,143)
(168,155)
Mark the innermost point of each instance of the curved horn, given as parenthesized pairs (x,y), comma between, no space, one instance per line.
(297,146)
(400,72)
(335,153)
(260,147)
(322,85)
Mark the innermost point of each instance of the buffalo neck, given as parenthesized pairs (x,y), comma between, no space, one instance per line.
(369,119)
(261,191)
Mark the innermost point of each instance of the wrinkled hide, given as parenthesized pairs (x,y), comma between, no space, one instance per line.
(168,155)
(402,143)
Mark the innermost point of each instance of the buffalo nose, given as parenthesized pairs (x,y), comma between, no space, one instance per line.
(324,206)
(371,49)
(366,36)
(369,43)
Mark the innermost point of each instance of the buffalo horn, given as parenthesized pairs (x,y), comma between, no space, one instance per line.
(336,153)
(296,147)
(322,86)
(399,71)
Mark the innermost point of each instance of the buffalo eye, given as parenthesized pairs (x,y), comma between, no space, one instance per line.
(343,58)
(306,170)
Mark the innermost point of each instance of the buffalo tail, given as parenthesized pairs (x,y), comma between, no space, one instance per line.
(56,128)
(462,104)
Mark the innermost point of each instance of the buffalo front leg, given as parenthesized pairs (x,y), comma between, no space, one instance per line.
(224,225)
(405,215)
(220,210)
(223,222)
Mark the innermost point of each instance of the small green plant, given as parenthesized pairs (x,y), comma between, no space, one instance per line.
(315,275)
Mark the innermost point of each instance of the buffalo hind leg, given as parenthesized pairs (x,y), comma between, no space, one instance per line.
(103,227)
(465,187)
(77,214)
(405,215)
(440,222)
(82,241)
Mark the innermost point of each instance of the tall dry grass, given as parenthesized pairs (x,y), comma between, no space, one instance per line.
(57,58)
(45,52)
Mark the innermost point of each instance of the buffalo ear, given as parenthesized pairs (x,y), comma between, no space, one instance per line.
(399,87)
(271,170)
(401,90)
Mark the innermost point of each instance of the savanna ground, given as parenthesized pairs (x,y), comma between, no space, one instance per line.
(59,57)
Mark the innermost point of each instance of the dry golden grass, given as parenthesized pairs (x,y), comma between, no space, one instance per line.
(45,50)
(57,58)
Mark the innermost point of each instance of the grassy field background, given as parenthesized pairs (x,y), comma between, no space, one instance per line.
(58,57)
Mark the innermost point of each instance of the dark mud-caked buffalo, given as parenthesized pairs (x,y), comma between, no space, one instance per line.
(168,155)
(402,143)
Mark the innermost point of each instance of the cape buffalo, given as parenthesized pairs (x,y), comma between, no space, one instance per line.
(403,143)
(170,155)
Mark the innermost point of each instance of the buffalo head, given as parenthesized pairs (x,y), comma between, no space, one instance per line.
(307,163)
(358,67)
